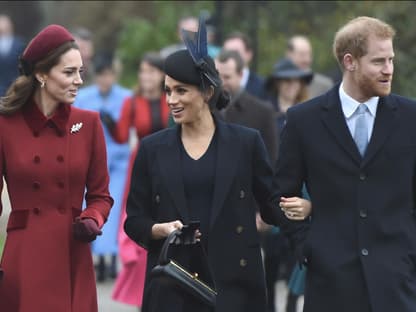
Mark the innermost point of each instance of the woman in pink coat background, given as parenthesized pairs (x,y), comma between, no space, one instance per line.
(49,153)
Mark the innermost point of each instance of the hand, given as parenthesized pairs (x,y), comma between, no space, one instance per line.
(162,230)
(261,225)
(295,208)
(107,120)
(85,230)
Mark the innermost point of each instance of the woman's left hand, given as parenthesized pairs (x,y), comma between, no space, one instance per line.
(295,208)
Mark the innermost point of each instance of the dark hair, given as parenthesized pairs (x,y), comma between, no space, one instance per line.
(155,60)
(24,86)
(243,37)
(226,55)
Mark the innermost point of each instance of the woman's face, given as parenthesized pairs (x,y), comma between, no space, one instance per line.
(288,89)
(185,101)
(150,77)
(64,79)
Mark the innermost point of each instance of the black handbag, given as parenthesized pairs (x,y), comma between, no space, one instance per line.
(175,275)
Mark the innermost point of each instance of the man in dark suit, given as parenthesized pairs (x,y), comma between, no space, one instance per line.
(245,109)
(10,49)
(360,172)
(250,81)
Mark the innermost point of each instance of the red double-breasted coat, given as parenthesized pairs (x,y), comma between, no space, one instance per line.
(47,165)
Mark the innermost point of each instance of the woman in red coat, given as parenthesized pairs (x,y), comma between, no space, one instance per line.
(146,112)
(50,153)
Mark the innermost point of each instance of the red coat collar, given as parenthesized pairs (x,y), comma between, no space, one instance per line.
(37,121)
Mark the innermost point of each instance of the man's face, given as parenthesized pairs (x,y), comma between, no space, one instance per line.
(301,54)
(373,72)
(230,77)
(236,44)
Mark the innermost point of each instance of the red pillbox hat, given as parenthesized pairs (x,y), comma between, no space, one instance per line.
(46,41)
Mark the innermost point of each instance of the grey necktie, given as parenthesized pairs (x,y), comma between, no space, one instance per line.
(361,129)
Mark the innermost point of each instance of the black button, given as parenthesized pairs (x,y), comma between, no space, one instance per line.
(60,158)
(36,210)
(363,176)
(364,252)
(36,159)
(242,194)
(51,124)
(61,184)
(363,214)
(35,134)
(36,185)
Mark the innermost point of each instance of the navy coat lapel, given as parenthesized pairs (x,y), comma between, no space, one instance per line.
(228,154)
(169,162)
(334,120)
(386,118)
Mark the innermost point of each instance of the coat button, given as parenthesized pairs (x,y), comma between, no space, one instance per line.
(363,176)
(243,262)
(242,194)
(35,134)
(61,184)
(61,210)
(157,199)
(239,229)
(36,159)
(36,185)
(363,214)
(364,252)
(36,210)
(60,158)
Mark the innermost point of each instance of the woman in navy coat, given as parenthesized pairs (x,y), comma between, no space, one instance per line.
(205,170)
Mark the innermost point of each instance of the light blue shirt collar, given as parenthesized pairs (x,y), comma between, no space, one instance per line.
(349,105)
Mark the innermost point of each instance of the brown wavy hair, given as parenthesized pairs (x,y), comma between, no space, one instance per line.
(21,90)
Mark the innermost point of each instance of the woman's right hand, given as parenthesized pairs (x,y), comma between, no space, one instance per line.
(162,230)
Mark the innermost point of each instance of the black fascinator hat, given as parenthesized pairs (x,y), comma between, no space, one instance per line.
(194,66)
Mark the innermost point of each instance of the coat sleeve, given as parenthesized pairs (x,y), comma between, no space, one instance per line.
(98,199)
(289,179)
(139,222)
(269,133)
(121,130)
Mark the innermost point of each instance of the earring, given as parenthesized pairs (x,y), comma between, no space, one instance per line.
(42,84)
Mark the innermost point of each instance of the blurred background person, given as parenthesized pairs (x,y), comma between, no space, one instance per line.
(11,47)
(188,23)
(84,39)
(245,109)
(106,95)
(299,51)
(146,112)
(287,85)
(251,82)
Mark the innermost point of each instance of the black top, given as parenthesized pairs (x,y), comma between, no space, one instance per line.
(157,123)
(198,178)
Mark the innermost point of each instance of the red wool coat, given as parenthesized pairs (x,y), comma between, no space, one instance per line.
(47,164)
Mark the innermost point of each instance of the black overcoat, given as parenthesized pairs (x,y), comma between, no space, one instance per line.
(361,245)
(243,175)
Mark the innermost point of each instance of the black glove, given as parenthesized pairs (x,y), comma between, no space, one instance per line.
(85,230)
(107,120)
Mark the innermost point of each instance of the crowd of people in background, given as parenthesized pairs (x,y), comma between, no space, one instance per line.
(128,116)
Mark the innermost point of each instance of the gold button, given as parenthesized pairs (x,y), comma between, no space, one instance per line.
(239,229)
(243,262)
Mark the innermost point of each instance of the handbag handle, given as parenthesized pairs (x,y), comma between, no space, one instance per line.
(163,257)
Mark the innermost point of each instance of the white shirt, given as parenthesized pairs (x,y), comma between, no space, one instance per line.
(244,79)
(349,107)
